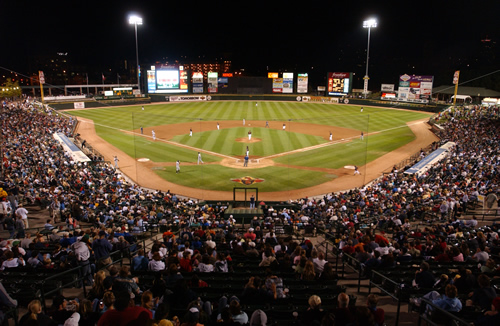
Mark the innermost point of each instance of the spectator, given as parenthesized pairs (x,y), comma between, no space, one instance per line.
(34,316)
(102,248)
(492,316)
(124,311)
(378,313)
(156,264)
(140,262)
(424,278)
(483,296)
(314,313)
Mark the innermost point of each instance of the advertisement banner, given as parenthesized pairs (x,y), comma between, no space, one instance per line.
(302,83)
(272,75)
(79,105)
(187,98)
(387,88)
(277,85)
(223,82)
(212,82)
(197,82)
(288,82)
(415,88)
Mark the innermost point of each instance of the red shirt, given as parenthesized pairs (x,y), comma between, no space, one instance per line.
(122,318)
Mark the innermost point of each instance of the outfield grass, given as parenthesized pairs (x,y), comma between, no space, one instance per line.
(272,141)
(356,152)
(390,125)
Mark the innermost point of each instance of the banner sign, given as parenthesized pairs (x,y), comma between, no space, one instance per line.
(387,88)
(288,82)
(187,98)
(212,82)
(302,80)
(277,85)
(197,82)
(412,88)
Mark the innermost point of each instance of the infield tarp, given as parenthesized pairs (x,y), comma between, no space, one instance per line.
(431,159)
(71,149)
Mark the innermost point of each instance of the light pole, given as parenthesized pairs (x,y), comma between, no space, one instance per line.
(368,24)
(136,20)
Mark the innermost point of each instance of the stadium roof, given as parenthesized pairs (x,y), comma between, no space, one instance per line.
(463,90)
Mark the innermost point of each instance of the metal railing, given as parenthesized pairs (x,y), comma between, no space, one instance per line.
(437,316)
(396,294)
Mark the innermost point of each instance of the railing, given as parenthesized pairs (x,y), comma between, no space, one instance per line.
(354,265)
(396,294)
(437,316)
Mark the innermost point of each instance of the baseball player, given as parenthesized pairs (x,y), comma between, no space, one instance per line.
(116,162)
(331,136)
(142,131)
(199,158)
(243,121)
(361,137)
(153,134)
(249,135)
(248,151)
(190,132)
(178,167)
(284,126)
(218,127)
(267,124)
(356,171)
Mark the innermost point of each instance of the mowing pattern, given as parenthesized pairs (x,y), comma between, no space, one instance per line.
(385,130)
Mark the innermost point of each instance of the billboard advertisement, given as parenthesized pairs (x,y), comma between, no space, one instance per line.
(197,82)
(415,88)
(288,82)
(339,83)
(272,75)
(212,82)
(302,81)
(387,88)
(167,79)
(277,85)
(223,82)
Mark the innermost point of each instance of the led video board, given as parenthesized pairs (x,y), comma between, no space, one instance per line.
(167,79)
(339,83)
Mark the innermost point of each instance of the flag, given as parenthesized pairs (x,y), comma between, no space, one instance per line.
(103,78)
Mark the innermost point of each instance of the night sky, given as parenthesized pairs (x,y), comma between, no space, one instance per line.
(415,37)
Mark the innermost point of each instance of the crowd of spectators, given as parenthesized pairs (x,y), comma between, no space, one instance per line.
(37,170)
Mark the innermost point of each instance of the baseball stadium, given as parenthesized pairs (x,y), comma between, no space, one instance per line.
(198,191)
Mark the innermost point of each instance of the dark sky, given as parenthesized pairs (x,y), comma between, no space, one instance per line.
(415,37)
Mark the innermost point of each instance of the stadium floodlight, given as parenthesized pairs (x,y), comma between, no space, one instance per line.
(368,24)
(136,20)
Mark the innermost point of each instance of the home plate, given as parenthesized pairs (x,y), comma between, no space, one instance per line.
(350,167)
(143,160)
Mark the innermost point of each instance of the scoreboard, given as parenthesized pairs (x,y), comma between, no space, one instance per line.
(339,83)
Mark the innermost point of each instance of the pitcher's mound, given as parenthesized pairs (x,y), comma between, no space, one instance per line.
(252,163)
(245,140)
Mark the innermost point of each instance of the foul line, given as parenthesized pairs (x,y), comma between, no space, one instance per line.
(163,140)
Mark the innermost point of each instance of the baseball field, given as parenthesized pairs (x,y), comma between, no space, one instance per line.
(290,148)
